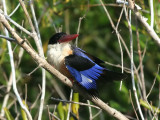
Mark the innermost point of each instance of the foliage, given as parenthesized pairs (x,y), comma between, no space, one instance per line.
(97,37)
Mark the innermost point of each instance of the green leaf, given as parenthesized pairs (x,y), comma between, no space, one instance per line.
(8,114)
(148,106)
(61,111)
(65,108)
(23,113)
(75,107)
(158,77)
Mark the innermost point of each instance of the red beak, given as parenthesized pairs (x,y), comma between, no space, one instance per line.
(67,38)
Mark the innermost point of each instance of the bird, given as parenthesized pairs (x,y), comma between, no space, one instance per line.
(79,66)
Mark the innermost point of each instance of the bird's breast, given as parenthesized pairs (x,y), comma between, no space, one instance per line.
(57,53)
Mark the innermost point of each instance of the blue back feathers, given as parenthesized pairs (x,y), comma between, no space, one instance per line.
(86,72)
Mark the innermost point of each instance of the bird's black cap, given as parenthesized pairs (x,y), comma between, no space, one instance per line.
(55,38)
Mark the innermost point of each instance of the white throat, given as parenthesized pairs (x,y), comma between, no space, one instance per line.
(57,52)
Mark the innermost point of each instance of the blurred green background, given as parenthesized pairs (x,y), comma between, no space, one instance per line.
(97,37)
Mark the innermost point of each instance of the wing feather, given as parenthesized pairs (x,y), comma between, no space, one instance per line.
(88,75)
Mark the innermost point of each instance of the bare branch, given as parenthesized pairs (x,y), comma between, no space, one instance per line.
(153,82)
(129,3)
(143,20)
(80,103)
(18,26)
(34,70)
(14,10)
(69,107)
(38,42)
(35,102)
(27,15)
(152,13)
(8,38)
(120,45)
(90,110)
(97,113)
(49,112)
(54,116)
(148,28)
(132,63)
(79,24)
(141,63)
(133,104)
(6,97)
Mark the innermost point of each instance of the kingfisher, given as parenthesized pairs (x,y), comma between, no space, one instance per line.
(76,64)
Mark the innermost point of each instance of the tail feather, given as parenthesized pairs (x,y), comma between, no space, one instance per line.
(113,76)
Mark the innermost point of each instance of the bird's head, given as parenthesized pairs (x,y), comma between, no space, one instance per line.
(61,38)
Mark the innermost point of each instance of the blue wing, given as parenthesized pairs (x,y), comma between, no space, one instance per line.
(87,78)
(85,71)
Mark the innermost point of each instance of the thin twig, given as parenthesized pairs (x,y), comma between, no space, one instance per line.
(19,26)
(144,52)
(118,66)
(150,30)
(49,112)
(54,116)
(90,110)
(152,13)
(97,114)
(27,15)
(29,74)
(69,107)
(140,63)
(6,97)
(25,93)
(128,4)
(8,38)
(14,10)
(79,24)
(20,54)
(120,45)
(56,86)
(52,23)
(80,19)
(38,96)
(119,19)
(132,71)
(80,103)
(154,81)
(36,25)
(130,95)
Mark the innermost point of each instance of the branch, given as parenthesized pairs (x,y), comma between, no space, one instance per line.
(143,20)
(40,60)
(152,13)
(128,18)
(40,50)
(80,103)
(69,106)
(8,38)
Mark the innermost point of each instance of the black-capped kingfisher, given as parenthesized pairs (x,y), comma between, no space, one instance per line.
(78,65)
